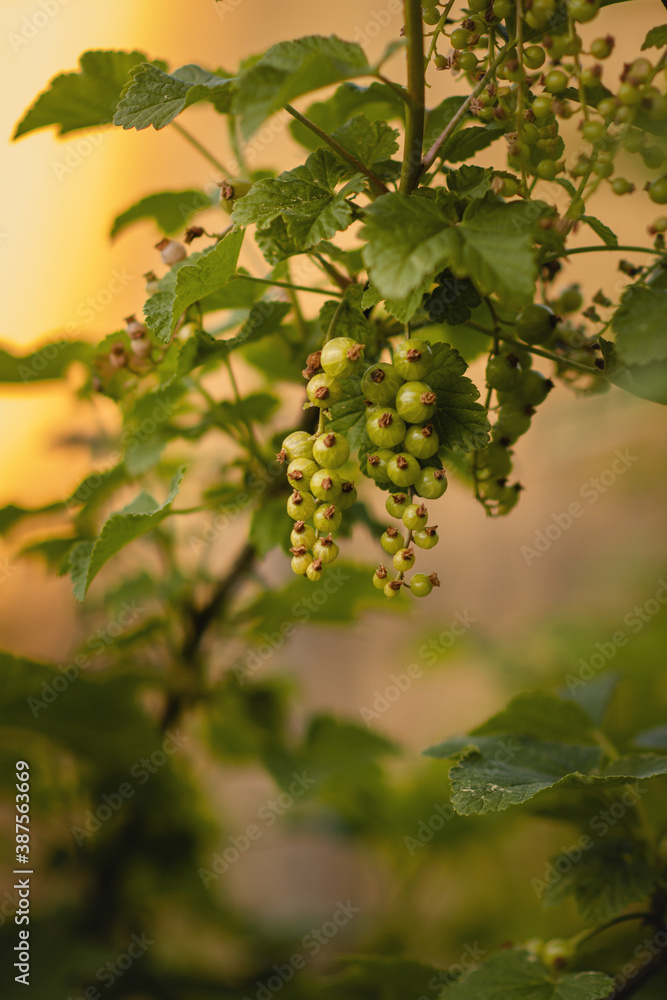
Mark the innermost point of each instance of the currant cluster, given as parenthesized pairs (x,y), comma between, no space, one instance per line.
(519,391)
(402,441)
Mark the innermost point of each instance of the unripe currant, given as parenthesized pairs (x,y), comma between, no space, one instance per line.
(380,383)
(302,535)
(558,953)
(376,465)
(422,442)
(427,537)
(392,540)
(348,495)
(393,588)
(403,469)
(301,506)
(420,585)
(416,402)
(413,359)
(301,560)
(231,190)
(171,251)
(385,427)
(325,549)
(431,483)
(396,504)
(493,462)
(324,390)
(300,473)
(404,560)
(327,518)
(342,357)
(535,323)
(331,450)
(298,444)
(502,372)
(380,577)
(415,516)
(509,498)
(512,423)
(533,388)
(314,571)
(326,485)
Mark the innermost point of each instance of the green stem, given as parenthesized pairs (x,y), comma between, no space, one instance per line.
(299,321)
(232,125)
(534,350)
(201,149)
(287,284)
(444,135)
(398,90)
(437,31)
(336,146)
(520,85)
(623,918)
(603,248)
(415,110)
(253,443)
(340,279)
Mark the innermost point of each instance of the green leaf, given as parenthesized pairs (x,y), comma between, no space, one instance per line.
(135,520)
(377,102)
(264,318)
(470,181)
(656,38)
(47,362)
(194,280)
(593,696)
(608,878)
(305,197)
(439,118)
(645,381)
(12,515)
(452,300)
(496,251)
(268,527)
(654,739)
(348,417)
(156,98)
(83,99)
(290,69)
(392,978)
(607,235)
(466,142)
(516,975)
(640,327)
(461,422)
(370,142)
(351,321)
(542,715)
(171,210)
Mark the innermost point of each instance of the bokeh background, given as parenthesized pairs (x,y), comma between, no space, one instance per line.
(531,619)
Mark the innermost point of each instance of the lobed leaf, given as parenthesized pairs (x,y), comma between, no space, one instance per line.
(155,98)
(171,210)
(514,974)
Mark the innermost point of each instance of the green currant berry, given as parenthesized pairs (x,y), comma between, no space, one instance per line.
(324,390)
(314,571)
(326,485)
(477,6)
(380,577)
(403,469)
(659,225)
(530,133)
(301,506)
(603,168)
(420,585)
(431,16)
(629,93)
(396,504)
(327,518)
(298,444)
(593,130)
(393,588)
(300,473)
(601,48)
(558,953)
(583,10)
(546,169)
(620,185)
(541,106)
(416,402)
(494,462)
(653,157)
(570,300)
(534,56)
(555,81)
(467,61)
(376,465)
(607,107)
(431,483)
(522,353)
(415,515)
(641,70)
(633,141)
(535,324)
(502,8)
(426,537)
(540,12)
(422,442)
(656,108)
(413,359)
(509,498)
(301,560)
(404,560)
(342,357)
(391,541)
(380,383)
(459,38)
(512,424)
(502,372)
(302,535)
(533,388)
(348,495)
(385,428)
(657,191)
(331,450)
(325,549)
